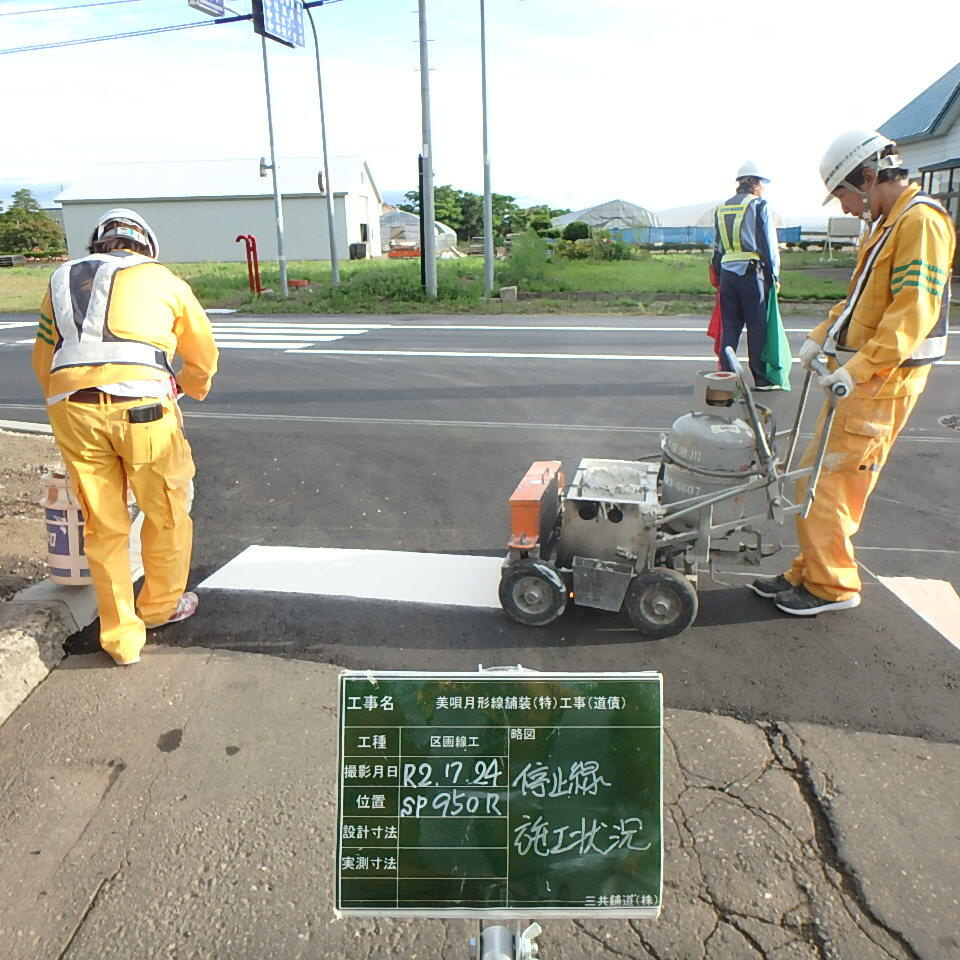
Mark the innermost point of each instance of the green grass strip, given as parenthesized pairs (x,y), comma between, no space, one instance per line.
(914,283)
(919,263)
(40,336)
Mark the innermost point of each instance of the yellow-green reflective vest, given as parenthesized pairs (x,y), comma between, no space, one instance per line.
(729,221)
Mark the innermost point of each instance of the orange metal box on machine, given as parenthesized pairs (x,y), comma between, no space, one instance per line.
(534,505)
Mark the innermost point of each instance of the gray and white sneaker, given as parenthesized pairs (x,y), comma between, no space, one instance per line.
(186,607)
(800,602)
(769,587)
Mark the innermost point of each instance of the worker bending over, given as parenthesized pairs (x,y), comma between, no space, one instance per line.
(110,325)
(746,261)
(880,343)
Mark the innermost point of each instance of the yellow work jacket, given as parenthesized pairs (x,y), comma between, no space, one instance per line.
(147,304)
(901,302)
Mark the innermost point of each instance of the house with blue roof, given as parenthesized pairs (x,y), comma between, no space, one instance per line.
(927,131)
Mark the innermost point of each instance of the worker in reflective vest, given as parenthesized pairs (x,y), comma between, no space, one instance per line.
(880,343)
(746,261)
(109,328)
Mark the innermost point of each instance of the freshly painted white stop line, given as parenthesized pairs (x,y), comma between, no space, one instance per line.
(434,578)
(935,601)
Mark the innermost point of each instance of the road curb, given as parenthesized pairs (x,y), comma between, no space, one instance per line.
(25,426)
(36,623)
(32,635)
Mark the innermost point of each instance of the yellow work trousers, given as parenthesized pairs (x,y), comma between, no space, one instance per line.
(103,450)
(864,430)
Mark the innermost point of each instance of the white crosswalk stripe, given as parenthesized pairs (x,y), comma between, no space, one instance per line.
(280,335)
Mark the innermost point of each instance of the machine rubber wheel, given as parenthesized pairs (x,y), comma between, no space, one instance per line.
(533,593)
(661,603)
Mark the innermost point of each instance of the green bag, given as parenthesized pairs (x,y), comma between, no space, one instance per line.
(776,357)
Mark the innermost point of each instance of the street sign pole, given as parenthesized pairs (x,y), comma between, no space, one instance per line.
(331,228)
(427,211)
(487,195)
(277,206)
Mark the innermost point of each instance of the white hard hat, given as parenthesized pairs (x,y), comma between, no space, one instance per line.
(131,225)
(750,169)
(848,151)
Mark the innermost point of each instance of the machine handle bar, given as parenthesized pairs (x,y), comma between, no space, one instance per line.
(766,455)
(820,369)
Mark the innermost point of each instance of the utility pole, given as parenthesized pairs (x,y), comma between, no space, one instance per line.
(277,207)
(427,212)
(331,228)
(487,195)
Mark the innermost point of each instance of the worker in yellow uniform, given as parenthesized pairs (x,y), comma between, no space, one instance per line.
(110,325)
(880,343)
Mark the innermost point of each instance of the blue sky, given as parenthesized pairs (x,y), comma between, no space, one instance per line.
(591,100)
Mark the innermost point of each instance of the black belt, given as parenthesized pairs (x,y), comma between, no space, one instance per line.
(95,395)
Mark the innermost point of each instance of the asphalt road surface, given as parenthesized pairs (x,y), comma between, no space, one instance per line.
(410,433)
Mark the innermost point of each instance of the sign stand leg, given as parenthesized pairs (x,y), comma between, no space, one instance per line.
(496,942)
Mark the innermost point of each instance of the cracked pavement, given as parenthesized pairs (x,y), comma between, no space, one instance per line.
(187,810)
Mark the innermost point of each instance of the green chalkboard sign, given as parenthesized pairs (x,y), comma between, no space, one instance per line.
(500,793)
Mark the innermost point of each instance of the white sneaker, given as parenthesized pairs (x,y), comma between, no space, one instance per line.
(186,607)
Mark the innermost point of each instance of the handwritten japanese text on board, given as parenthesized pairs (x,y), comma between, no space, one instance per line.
(520,793)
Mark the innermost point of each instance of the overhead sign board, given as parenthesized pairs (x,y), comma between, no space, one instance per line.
(504,794)
(213,7)
(280,20)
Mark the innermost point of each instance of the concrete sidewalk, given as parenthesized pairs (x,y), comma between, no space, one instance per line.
(185,808)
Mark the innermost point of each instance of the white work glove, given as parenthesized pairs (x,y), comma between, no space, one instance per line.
(840,375)
(809,351)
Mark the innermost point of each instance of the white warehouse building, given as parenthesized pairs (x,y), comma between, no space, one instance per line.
(199,207)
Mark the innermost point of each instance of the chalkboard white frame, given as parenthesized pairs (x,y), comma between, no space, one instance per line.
(609,911)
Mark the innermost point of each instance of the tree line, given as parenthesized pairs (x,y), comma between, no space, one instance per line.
(25,228)
(462,211)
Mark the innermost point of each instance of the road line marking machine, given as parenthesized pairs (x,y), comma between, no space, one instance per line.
(635,535)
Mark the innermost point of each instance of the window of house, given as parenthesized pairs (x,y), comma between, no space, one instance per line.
(944,185)
(940,181)
(363,233)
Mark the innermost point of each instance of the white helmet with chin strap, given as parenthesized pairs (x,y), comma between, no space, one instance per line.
(849,151)
(129,225)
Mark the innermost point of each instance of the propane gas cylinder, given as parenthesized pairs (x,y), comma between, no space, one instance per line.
(708,450)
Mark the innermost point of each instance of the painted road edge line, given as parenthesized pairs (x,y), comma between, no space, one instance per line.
(473,355)
(456,424)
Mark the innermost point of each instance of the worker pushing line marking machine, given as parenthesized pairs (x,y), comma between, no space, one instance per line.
(636,535)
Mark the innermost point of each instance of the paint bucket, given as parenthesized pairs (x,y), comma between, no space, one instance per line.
(64,518)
